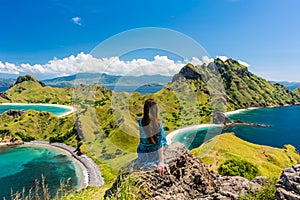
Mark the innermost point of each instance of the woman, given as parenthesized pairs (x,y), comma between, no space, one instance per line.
(152,137)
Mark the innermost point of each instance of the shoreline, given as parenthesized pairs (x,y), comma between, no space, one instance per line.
(87,171)
(70,109)
(176,132)
(240,110)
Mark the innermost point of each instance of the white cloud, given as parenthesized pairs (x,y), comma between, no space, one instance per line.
(77,20)
(243,63)
(196,61)
(207,60)
(9,68)
(223,58)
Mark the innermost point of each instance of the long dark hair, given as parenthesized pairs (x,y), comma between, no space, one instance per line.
(150,122)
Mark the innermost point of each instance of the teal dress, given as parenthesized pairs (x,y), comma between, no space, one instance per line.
(148,152)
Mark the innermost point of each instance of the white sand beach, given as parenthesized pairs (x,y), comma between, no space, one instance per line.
(239,111)
(70,109)
(173,134)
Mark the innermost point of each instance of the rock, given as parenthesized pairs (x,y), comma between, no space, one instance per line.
(289,186)
(2,95)
(187,72)
(259,180)
(186,178)
(15,113)
(220,118)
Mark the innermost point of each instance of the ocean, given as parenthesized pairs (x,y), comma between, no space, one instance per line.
(3,88)
(283,121)
(48,108)
(21,166)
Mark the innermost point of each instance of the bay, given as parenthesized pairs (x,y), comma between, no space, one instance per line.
(21,166)
(56,110)
(283,121)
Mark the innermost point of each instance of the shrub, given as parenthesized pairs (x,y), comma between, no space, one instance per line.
(237,167)
(267,191)
(25,138)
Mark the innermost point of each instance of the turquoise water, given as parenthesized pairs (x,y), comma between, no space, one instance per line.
(47,108)
(284,122)
(20,166)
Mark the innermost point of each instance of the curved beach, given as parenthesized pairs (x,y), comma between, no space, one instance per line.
(173,134)
(176,132)
(87,171)
(70,109)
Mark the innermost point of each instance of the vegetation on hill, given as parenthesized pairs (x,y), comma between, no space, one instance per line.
(235,167)
(269,160)
(34,125)
(28,89)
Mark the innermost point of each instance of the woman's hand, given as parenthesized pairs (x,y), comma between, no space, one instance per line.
(160,168)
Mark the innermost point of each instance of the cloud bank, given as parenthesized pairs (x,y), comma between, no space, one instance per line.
(113,66)
(87,63)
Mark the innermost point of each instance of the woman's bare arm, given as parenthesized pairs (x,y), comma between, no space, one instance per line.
(161,166)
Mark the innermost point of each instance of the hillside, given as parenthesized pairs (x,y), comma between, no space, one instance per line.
(269,160)
(27,89)
(32,125)
(231,86)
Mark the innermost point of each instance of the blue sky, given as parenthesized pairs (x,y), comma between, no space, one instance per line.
(263,33)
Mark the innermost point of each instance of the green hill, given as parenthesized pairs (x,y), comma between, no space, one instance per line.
(232,86)
(28,89)
(39,126)
(269,160)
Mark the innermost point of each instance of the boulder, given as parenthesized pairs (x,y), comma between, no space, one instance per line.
(289,186)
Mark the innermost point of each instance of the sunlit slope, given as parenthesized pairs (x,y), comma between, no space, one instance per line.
(269,160)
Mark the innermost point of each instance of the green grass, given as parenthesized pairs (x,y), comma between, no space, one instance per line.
(269,160)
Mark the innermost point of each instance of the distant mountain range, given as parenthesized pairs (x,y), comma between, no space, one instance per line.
(105,79)
(290,85)
(6,81)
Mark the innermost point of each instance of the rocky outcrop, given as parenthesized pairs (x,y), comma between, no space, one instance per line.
(187,72)
(28,77)
(289,186)
(3,95)
(220,118)
(186,178)
(15,113)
